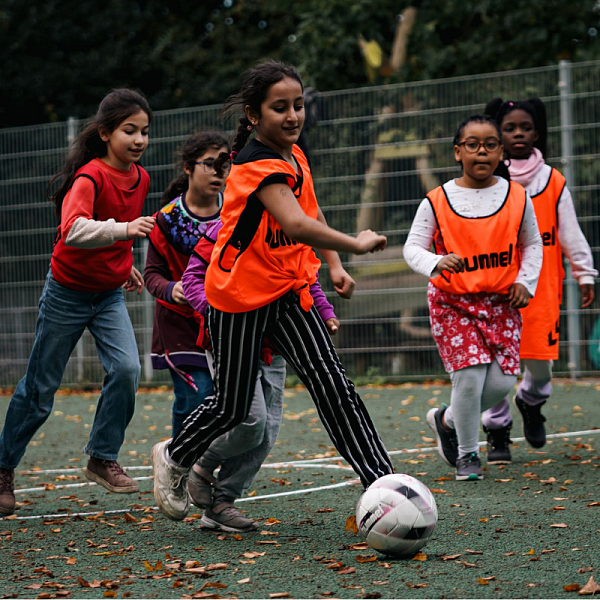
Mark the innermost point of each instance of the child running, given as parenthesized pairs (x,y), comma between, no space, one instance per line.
(524,132)
(488,255)
(241,451)
(258,285)
(99,201)
(192,202)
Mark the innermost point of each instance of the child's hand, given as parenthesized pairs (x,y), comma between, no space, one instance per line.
(343,283)
(141,227)
(332,326)
(518,295)
(177,294)
(451,262)
(587,294)
(135,281)
(369,241)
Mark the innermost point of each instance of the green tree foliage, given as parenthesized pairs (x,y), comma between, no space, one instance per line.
(59,57)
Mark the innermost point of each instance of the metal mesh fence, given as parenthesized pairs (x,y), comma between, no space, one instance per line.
(375,152)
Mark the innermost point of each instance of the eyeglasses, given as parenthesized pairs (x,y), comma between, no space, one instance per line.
(472,145)
(209,166)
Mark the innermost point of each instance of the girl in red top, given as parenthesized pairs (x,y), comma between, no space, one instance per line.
(99,201)
(257,286)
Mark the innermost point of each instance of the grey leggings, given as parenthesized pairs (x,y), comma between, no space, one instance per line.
(475,389)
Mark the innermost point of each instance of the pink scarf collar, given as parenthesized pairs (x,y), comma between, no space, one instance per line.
(523,170)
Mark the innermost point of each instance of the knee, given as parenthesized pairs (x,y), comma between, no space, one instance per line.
(127,371)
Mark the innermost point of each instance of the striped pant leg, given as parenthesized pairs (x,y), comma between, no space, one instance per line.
(303,340)
(237,340)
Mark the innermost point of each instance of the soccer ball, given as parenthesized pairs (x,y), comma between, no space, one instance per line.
(396,515)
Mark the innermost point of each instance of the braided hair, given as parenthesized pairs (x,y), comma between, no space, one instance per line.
(255,86)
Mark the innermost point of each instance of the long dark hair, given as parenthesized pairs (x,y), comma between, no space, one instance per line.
(113,110)
(194,147)
(536,109)
(252,93)
(501,169)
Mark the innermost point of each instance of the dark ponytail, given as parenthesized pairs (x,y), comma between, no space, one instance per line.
(252,93)
(194,147)
(113,110)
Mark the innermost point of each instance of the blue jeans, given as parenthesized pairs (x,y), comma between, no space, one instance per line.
(187,400)
(63,317)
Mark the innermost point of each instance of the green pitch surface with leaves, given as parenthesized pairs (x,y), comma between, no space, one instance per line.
(528,530)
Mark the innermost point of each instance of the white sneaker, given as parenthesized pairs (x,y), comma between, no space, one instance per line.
(170,484)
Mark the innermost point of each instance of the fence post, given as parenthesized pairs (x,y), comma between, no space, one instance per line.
(571,287)
(79,348)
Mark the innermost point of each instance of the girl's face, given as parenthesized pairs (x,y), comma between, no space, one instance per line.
(480,151)
(518,133)
(281,117)
(126,144)
(204,182)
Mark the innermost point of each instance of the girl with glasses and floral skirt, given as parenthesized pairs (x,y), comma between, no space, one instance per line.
(193,202)
(487,259)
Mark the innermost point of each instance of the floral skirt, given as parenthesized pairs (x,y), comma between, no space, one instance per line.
(475,329)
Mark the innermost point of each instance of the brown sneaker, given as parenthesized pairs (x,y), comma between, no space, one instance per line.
(7,491)
(109,474)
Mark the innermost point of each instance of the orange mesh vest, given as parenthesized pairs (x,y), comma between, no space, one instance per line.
(488,245)
(253,262)
(539,339)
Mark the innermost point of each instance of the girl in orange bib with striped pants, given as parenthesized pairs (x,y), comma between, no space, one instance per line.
(487,259)
(523,127)
(257,286)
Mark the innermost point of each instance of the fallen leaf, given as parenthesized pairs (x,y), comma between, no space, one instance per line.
(482,581)
(473,551)
(213,584)
(360,546)
(363,558)
(420,556)
(246,580)
(280,595)
(559,525)
(438,490)
(129,517)
(591,587)
(346,571)
(351,524)
(572,587)
(450,557)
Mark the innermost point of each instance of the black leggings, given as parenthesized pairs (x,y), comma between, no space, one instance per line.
(304,342)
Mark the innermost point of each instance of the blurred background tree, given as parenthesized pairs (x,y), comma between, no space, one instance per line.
(59,57)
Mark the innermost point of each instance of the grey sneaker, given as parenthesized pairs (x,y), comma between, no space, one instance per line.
(468,468)
(7,491)
(109,474)
(170,484)
(227,517)
(200,487)
(498,445)
(447,442)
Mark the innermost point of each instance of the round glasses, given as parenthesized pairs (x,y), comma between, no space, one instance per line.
(209,166)
(472,145)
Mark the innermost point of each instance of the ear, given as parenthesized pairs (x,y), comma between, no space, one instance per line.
(457,156)
(536,137)
(104,135)
(187,170)
(251,114)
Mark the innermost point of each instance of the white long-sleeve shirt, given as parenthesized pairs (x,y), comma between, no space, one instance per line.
(570,237)
(474,203)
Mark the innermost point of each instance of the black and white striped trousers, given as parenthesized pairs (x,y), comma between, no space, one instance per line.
(304,342)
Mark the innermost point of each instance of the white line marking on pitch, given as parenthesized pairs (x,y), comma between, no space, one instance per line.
(131,510)
(315,461)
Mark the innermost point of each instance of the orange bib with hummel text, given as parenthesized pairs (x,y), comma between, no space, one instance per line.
(254,262)
(488,245)
(541,318)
